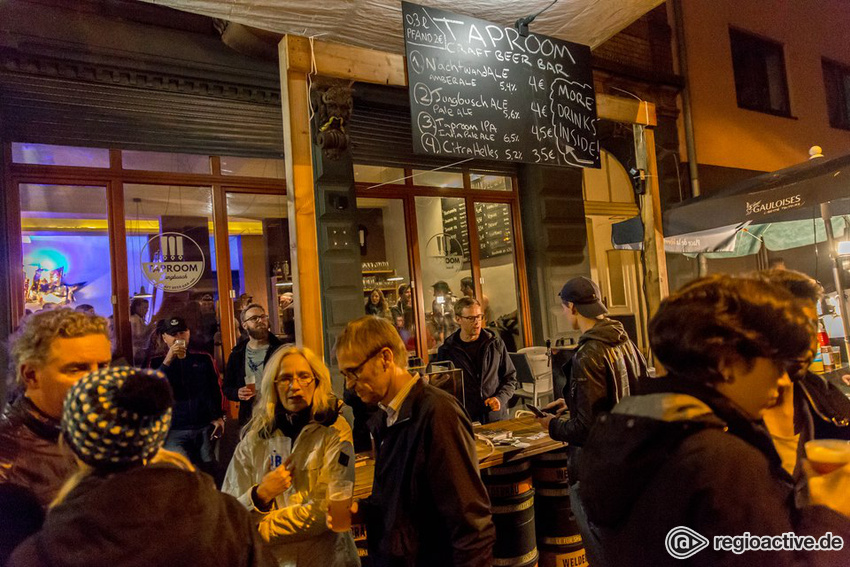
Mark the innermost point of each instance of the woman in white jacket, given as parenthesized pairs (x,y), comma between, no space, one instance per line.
(295,444)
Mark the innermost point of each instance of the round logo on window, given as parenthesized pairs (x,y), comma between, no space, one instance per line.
(445,253)
(171,269)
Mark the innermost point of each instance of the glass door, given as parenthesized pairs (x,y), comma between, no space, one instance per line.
(443,236)
(171,266)
(385,265)
(497,264)
(260,263)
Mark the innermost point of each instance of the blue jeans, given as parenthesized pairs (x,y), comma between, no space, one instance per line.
(194,444)
(589,532)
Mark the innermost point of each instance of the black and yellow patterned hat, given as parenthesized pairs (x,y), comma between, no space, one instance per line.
(117,417)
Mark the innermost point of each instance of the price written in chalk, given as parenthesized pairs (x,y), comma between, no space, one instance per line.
(480,90)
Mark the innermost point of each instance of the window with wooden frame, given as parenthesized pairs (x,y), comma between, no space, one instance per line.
(836,80)
(463,237)
(94,227)
(760,80)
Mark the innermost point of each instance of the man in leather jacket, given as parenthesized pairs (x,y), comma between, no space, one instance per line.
(606,367)
(51,351)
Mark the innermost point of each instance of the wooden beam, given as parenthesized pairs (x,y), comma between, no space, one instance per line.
(300,195)
(114,193)
(223,282)
(370,66)
(653,238)
(339,61)
(629,111)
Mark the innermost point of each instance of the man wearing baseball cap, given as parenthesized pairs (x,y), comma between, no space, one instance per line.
(198,416)
(605,367)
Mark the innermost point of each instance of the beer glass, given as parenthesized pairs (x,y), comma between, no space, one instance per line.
(827,455)
(339,504)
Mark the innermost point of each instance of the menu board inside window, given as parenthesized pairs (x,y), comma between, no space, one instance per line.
(494,229)
(481,90)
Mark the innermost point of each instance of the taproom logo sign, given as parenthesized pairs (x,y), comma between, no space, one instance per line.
(445,253)
(765,208)
(171,269)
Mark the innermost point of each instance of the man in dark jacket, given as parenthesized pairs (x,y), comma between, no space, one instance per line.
(248,360)
(428,505)
(198,416)
(51,351)
(605,368)
(489,376)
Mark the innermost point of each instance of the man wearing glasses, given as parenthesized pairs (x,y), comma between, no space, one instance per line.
(243,372)
(428,505)
(489,376)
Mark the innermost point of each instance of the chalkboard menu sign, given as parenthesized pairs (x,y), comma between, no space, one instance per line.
(494,229)
(480,90)
(454,223)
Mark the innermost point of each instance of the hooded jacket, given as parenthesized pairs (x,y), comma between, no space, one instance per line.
(605,368)
(428,506)
(30,454)
(296,526)
(496,379)
(158,515)
(684,456)
(234,375)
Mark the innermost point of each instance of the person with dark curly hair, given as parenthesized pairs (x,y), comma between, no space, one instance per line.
(691,449)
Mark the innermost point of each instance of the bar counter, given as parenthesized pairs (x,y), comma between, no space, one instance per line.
(524,428)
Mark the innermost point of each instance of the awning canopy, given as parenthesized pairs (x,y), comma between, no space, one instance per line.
(781,209)
(377,23)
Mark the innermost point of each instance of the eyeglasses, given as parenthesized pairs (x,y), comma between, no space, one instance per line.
(256,318)
(304,379)
(471,318)
(795,367)
(352,374)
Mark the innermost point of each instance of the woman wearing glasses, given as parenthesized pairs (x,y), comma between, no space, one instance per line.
(690,454)
(296,443)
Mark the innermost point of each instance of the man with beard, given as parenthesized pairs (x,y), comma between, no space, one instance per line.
(243,372)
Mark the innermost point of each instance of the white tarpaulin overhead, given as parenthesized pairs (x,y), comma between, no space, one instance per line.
(377,23)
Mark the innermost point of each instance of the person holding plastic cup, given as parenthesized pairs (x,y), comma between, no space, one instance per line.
(296,449)
(689,453)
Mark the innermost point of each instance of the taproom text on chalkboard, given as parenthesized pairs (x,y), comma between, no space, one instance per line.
(481,90)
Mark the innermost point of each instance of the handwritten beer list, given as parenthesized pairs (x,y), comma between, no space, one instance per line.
(480,90)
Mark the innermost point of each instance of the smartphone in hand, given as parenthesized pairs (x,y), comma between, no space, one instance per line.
(536,410)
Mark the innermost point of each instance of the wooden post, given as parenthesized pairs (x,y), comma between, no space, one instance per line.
(300,191)
(332,60)
(653,238)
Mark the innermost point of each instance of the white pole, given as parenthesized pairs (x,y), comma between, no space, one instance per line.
(836,274)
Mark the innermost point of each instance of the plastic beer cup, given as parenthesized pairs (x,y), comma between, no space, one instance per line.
(251,383)
(181,343)
(339,504)
(827,455)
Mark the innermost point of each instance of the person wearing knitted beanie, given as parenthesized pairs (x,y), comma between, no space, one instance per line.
(133,504)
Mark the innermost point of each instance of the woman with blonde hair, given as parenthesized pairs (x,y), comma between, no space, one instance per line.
(377,304)
(296,443)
